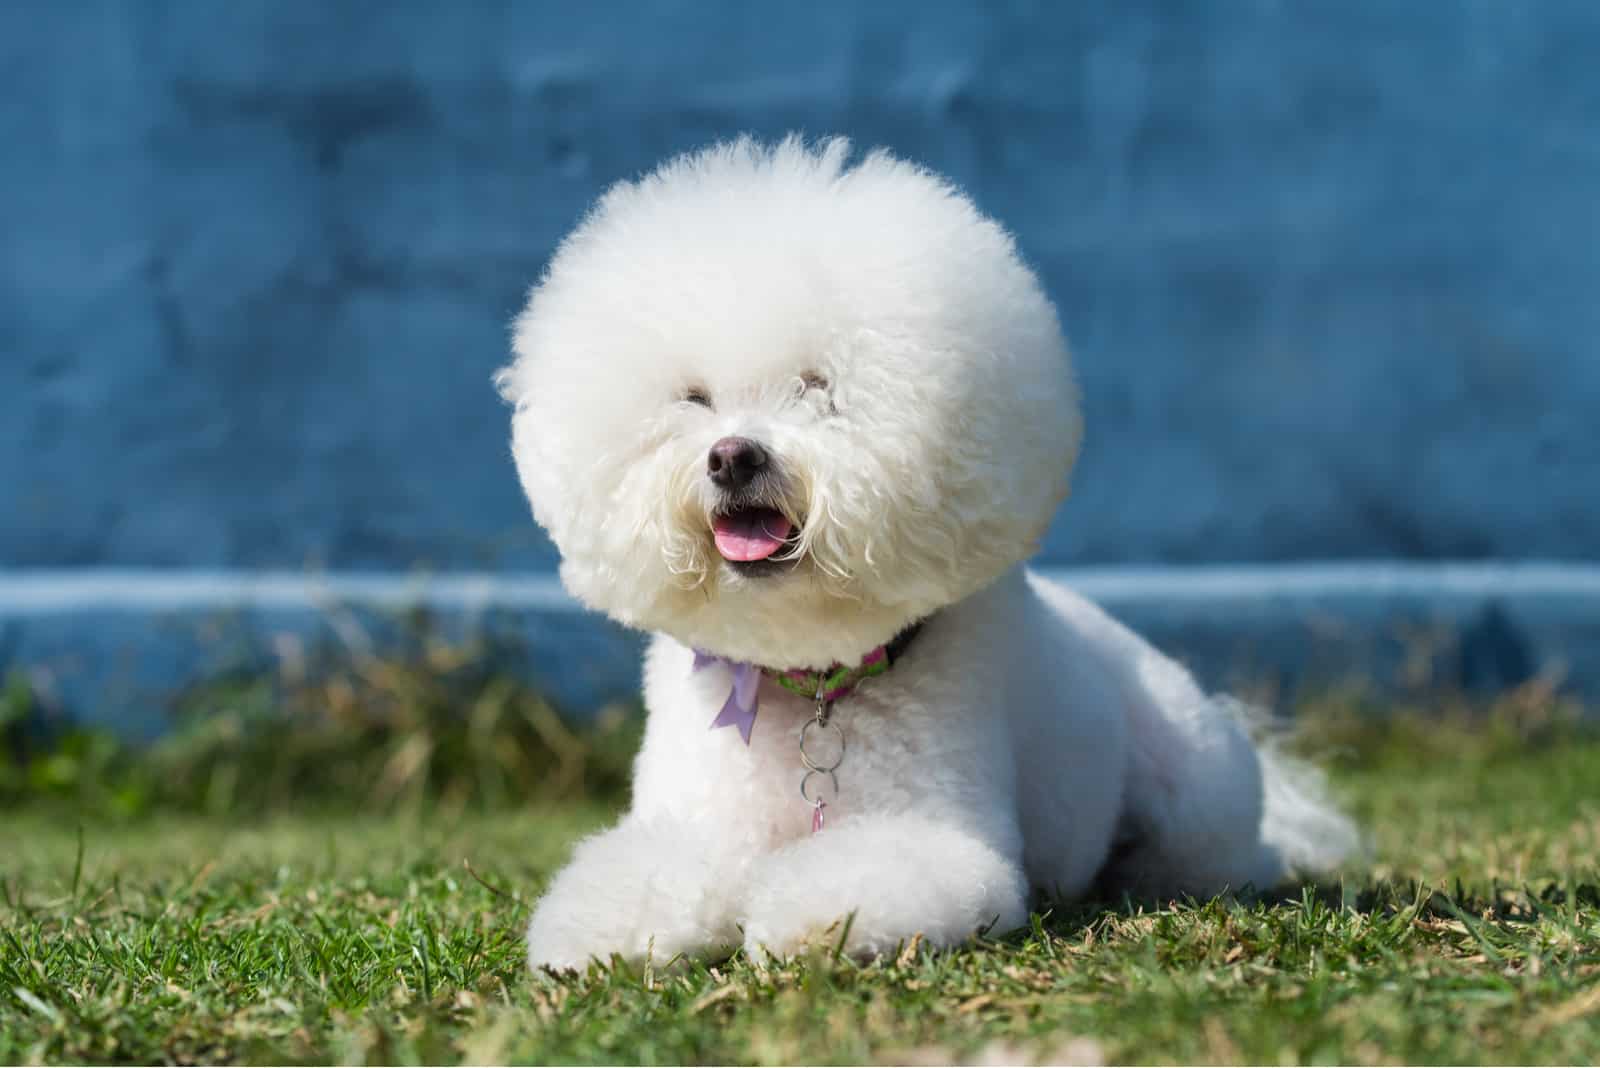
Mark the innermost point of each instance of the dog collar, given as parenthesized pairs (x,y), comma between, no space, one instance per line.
(824,686)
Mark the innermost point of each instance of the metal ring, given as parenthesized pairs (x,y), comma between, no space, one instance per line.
(805,758)
(832,778)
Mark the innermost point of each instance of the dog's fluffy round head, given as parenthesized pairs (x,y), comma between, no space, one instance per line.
(780,406)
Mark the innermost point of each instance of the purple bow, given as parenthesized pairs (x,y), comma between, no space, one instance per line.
(740,708)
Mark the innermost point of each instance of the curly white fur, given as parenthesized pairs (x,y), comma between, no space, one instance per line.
(887,347)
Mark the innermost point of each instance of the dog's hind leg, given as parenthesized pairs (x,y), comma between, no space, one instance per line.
(1208,803)
(1193,805)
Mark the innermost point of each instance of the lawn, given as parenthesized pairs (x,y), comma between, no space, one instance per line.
(1470,934)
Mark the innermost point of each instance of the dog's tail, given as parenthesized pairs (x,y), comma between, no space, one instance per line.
(1300,820)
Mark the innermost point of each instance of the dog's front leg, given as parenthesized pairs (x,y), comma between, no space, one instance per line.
(875,881)
(645,887)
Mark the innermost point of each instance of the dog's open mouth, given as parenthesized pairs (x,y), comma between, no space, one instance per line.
(751,535)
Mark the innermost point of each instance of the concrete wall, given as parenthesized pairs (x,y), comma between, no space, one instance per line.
(1331,267)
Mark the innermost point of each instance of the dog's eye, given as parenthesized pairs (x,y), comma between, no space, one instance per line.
(815,384)
(696,395)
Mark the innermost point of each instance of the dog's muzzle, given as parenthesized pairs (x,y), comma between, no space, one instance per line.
(749,532)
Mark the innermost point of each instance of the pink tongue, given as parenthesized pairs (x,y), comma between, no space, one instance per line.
(753,534)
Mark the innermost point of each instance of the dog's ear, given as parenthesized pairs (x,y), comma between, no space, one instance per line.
(505,385)
(512,381)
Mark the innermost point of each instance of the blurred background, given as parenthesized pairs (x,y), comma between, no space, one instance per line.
(1330,271)
(1330,268)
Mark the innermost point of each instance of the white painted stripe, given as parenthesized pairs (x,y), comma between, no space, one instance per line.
(62,592)
(57,592)
(1344,580)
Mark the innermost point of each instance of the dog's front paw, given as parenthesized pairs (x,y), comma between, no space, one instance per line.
(563,937)
(868,888)
(636,891)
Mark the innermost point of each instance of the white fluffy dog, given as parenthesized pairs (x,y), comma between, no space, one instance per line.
(804,420)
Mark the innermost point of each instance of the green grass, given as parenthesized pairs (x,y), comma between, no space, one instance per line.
(1472,934)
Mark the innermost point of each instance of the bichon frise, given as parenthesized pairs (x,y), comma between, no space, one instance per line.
(803,420)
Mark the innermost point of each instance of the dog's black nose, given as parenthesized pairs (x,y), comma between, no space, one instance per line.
(735,462)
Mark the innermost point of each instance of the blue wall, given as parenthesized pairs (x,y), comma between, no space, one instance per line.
(1331,268)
